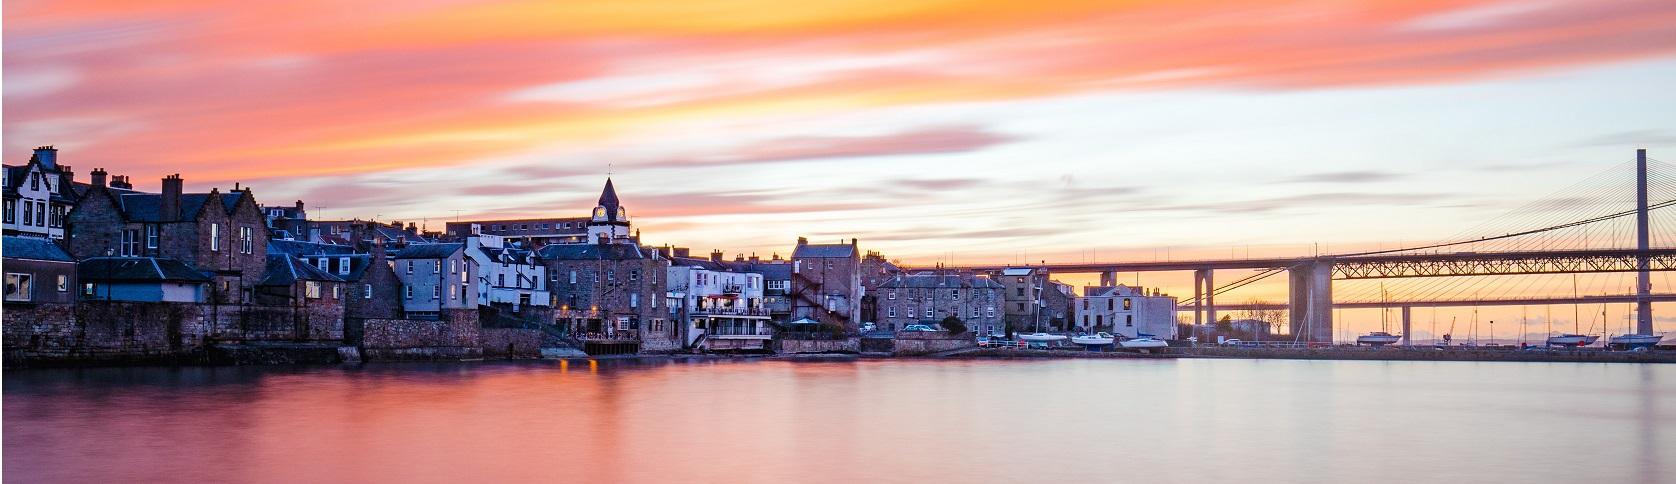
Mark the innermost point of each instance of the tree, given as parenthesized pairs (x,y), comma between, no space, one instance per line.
(1225,325)
(953,324)
(1270,317)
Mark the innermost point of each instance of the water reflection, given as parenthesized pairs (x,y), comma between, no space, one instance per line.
(859,420)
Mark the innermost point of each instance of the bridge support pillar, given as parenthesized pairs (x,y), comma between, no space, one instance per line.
(1198,299)
(1310,302)
(1405,326)
(1210,296)
(1108,279)
(1643,284)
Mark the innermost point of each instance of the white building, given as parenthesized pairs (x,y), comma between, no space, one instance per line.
(1127,311)
(37,196)
(718,308)
(507,274)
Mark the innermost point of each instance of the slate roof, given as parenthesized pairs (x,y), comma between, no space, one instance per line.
(358,264)
(517,255)
(595,252)
(608,198)
(137,269)
(933,281)
(32,248)
(428,251)
(823,250)
(706,264)
(285,270)
(769,271)
(1017,271)
(298,247)
(147,207)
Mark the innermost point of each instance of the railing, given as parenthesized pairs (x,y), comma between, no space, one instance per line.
(576,313)
(731,311)
(625,335)
(730,331)
(732,289)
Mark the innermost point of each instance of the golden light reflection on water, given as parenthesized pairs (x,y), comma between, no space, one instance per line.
(844,421)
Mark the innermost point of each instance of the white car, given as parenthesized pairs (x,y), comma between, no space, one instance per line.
(1231,342)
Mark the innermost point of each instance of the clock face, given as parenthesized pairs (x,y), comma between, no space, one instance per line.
(622,213)
(599,213)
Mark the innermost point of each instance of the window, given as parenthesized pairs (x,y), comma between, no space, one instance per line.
(246,241)
(572,277)
(1099,319)
(35,181)
(1021,307)
(409,292)
(452,293)
(40,213)
(623,323)
(57,219)
(974,312)
(436,292)
(990,311)
(891,295)
(87,289)
(337,292)
(436,267)
(893,312)
(130,244)
(955,294)
(151,236)
(311,289)
(1085,304)
(63,283)
(20,287)
(634,275)
(343,265)
(553,277)
(1020,280)
(1126,304)
(928,312)
(1128,320)
(215,238)
(1110,304)
(409,266)
(366,291)
(323,264)
(634,300)
(500,280)
(28,212)
(611,275)
(1018,292)
(453,266)
(11,213)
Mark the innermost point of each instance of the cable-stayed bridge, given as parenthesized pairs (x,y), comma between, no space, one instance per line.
(1599,241)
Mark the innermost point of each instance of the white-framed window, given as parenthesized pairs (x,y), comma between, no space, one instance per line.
(892,312)
(634,300)
(63,283)
(130,243)
(409,266)
(366,291)
(453,266)
(28,212)
(150,236)
(436,292)
(409,291)
(928,312)
(572,277)
(337,292)
(20,286)
(891,295)
(247,242)
(343,265)
(437,267)
(323,264)
(311,289)
(974,312)
(452,293)
(622,323)
(215,238)
(989,311)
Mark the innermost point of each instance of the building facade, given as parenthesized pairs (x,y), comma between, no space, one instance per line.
(223,235)
(437,279)
(37,196)
(510,275)
(38,271)
(1126,311)
(929,298)
(535,232)
(717,306)
(826,283)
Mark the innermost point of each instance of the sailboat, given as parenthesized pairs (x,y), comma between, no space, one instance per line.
(1571,340)
(1097,339)
(1632,341)
(1143,341)
(1383,336)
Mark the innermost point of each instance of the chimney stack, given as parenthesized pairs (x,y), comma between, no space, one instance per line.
(802,241)
(47,156)
(683,252)
(66,176)
(121,181)
(715,256)
(754,258)
(98,175)
(169,208)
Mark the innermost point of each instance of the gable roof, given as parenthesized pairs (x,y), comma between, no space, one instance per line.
(298,247)
(148,207)
(823,250)
(137,269)
(15,247)
(285,270)
(428,251)
(939,281)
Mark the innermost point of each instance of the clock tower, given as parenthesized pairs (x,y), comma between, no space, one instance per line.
(610,222)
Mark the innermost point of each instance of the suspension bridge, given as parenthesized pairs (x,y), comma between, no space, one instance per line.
(1599,241)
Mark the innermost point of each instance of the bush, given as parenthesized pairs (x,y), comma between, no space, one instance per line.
(953,325)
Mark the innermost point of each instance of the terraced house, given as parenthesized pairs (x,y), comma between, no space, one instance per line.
(438,281)
(929,298)
(37,195)
(223,235)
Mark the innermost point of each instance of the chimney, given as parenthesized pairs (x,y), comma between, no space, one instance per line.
(98,175)
(667,251)
(802,241)
(377,251)
(682,252)
(169,208)
(853,242)
(754,258)
(66,176)
(47,156)
(739,257)
(776,257)
(715,256)
(356,234)
(121,181)
(299,207)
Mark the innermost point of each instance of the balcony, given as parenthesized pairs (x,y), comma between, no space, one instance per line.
(623,336)
(740,332)
(732,289)
(577,314)
(725,311)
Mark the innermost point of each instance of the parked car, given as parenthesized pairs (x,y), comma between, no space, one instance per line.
(869,327)
(918,327)
(1231,342)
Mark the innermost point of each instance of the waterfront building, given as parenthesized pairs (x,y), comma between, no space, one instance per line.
(293,282)
(38,271)
(437,280)
(875,272)
(222,235)
(929,298)
(611,293)
(509,273)
(826,283)
(719,307)
(776,283)
(371,288)
(1127,311)
(1034,301)
(141,279)
(37,196)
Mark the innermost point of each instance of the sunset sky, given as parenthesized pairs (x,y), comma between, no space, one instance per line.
(933,131)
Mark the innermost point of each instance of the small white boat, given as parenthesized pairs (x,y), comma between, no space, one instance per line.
(1590,339)
(1567,340)
(1097,339)
(1041,337)
(1146,342)
(1633,341)
(1377,338)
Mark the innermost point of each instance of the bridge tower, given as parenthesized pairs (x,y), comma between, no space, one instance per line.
(1310,300)
(1643,283)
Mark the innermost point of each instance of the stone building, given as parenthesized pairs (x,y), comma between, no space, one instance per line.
(371,288)
(287,223)
(928,298)
(611,293)
(315,296)
(437,279)
(875,272)
(1126,311)
(220,234)
(1034,302)
(38,271)
(37,195)
(826,283)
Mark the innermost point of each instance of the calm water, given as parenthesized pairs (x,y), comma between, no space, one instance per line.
(850,421)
